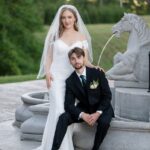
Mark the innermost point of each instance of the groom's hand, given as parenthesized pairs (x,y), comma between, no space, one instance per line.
(86,117)
(93,118)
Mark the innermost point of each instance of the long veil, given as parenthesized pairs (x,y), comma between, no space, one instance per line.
(53,34)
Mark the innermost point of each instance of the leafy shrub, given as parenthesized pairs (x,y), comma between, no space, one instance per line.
(19,49)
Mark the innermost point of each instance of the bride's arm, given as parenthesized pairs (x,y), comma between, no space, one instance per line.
(48,62)
(87,62)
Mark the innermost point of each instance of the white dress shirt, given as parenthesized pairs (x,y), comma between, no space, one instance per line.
(83,73)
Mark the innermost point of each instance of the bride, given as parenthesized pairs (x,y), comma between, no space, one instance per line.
(66,32)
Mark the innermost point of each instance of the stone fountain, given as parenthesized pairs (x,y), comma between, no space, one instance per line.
(23,112)
(131,77)
(128,79)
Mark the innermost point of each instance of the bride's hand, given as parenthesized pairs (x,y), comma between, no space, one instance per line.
(98,67)
(49,78)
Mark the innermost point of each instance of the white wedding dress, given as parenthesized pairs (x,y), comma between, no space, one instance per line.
(60,70)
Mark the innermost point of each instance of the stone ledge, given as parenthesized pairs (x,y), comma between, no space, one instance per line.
(121,136)
(34,98)
(131,84)
(134,126)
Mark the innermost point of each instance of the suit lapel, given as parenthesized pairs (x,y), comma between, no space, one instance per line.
(88,76)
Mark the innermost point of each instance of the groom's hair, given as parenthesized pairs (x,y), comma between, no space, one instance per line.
(78,51)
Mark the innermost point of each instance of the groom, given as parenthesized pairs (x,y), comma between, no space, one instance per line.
(91,88)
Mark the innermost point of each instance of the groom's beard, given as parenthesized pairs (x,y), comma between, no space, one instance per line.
(78,66)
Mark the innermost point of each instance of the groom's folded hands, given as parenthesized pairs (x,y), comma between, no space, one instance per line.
(90,119)
(94,118)
(86,117)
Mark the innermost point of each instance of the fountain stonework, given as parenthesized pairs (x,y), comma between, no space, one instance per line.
(133,64)
(29,99)
(128,79)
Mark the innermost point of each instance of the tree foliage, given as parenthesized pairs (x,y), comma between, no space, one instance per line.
(18,47)
(140,7)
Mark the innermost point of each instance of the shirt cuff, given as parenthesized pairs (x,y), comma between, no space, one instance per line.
(80,116)
(99,111)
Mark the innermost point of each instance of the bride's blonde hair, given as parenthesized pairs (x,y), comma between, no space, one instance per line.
(61,27)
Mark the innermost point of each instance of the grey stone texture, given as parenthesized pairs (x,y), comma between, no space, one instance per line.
(122,135)
(11,93)
(33,128)
(125,133)
(10,100)
(29,99)
(130,130)
(132,65)
(132,103)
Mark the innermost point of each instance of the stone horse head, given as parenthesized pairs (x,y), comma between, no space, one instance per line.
(132,65)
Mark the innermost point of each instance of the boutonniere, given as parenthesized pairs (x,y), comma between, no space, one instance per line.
(94,84)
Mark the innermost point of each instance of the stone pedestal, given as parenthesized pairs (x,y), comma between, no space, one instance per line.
(33,128)
(132,103)
(111,84)
(22,112)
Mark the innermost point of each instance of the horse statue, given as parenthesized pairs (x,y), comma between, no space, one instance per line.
(132,65)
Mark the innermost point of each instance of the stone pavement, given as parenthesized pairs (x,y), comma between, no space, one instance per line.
(9,100)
